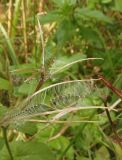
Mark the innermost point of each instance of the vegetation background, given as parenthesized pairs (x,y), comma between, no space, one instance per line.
(64,40)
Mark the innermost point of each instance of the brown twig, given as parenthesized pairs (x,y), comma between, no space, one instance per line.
(110,86)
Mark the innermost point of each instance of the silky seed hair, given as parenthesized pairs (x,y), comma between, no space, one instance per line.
(58,96)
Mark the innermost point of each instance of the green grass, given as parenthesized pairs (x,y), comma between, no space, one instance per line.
(44,45)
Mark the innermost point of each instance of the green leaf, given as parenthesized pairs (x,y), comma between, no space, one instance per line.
(59,144)
(64,63)
(93,36)
(3,110)
(82,158)
(28,128)
(5,84)
(26,88)
(92,14)
(65,32)
(106,1)
(102,153)
(118,151)
(53,16)
(1,143)
(118,5)
(64,2)
(27,151)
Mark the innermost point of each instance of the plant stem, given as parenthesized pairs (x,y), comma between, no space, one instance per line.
(110,86)
(25,29)
(7,143)
(10,17)
(118,139)
(119,93)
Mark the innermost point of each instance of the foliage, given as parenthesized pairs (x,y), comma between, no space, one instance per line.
(45,47)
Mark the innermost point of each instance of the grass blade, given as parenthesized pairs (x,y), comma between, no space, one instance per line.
(10,47)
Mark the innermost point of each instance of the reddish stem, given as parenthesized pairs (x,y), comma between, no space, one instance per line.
(109,85)
(119,93)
